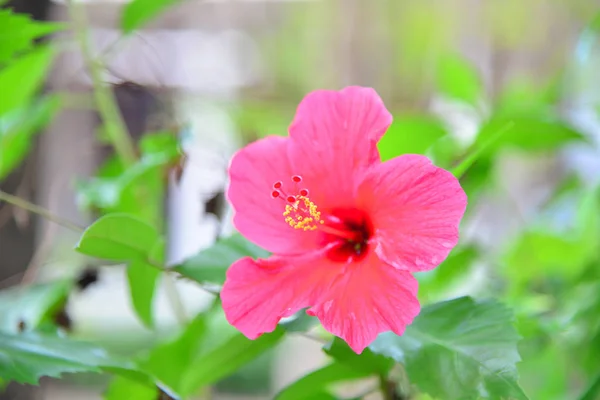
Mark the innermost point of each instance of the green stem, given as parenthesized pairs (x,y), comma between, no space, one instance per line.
(105,100)
(35,209)
(465,164)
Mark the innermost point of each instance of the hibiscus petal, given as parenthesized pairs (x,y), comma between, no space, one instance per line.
(258,293)
(415,208)
(252,173)
(334,136)
(369,298)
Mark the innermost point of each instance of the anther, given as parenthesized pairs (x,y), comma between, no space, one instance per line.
(297,178)
(304,192)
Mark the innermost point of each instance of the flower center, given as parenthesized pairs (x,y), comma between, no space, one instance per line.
(345,231)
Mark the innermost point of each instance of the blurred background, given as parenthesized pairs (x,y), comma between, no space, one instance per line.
(221,73)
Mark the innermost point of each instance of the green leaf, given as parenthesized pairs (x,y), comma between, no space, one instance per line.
(118,237)
(211,264)
(122,388)
(299,322)
(534,132)
(168,362)
(25,308)
(319,381)
(367,361)
(17,32)
(24,358)
(226,359)
(410,134)
(22,78)
(139,12)
(458,79)
(459,349)
(142,279)
(17,130)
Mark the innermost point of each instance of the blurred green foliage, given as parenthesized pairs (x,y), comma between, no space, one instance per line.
(537,337)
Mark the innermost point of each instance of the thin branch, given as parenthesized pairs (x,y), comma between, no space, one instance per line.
(33,208)
(105,100)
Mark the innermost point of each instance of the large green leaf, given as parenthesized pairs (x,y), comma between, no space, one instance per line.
(18,31)
(139,12)
(24,358)
(25,308)
(119,237)
(319,381)
(210,265)
(410,134)
(459,349)
(21,79)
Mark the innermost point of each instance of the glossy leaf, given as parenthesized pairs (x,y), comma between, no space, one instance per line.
(18,31)
(410,134)
(210,265)
(142,279)
(24,358)
(139,12)
(118,237)
(459,349)
(318,381)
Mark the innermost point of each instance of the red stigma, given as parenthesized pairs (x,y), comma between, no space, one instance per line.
(275,194)
(297,178)
(291,199)
(277,185)
(304,192)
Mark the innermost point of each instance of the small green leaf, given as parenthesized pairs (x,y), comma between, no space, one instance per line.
(18,31)
(318,381)
(211,264)
(458,79)
(142,279)
(139,12)
(367,361)
(410,134)
(22,78)
(122,388)
(25,308)
(459,349)
(24,358)
(118,237)
(226,359)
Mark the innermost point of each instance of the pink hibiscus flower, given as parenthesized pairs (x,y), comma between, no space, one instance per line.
(346,230)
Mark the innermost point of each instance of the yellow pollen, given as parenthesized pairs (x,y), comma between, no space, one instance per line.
(303,214)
